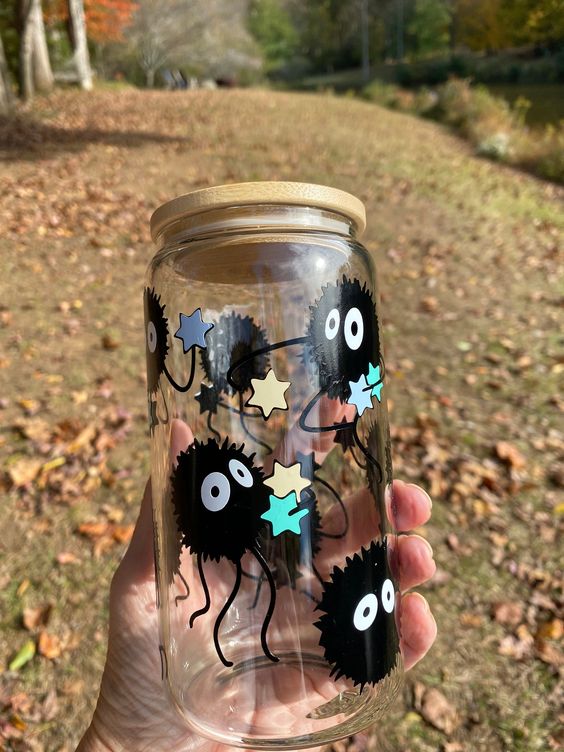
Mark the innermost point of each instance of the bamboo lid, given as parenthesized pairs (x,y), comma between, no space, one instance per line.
(267,192)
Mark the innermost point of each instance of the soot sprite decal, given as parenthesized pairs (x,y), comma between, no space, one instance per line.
(358,629)
(342,346)
(343,335)
(234,338)
(192,332)
(156,338)
(218,496)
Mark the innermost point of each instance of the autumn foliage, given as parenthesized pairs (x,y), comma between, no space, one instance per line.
(105,19)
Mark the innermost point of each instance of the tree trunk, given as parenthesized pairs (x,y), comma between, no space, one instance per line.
(42,73)
(81,56)
(150,77)
(26,48)
(365,42)
(6,99)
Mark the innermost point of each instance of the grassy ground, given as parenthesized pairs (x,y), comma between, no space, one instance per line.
(468,254)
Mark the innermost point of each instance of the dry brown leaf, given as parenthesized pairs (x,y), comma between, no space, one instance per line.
(549,653)
(36,617)
(508,612)
(438,711)
(551,630)
(49,645)
(93,529)
(469,619)
(123,533)
(36,429)
(73,687)
(109,342)
(102,544)
(84,438)
(24,471)
(67,557)
(50,705)
(30,406)
(510,455)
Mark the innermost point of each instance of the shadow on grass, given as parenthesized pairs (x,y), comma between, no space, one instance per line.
(23,137)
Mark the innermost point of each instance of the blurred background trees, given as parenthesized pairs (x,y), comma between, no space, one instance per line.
(147,41)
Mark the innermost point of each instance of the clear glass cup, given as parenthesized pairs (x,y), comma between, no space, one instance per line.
(271,467)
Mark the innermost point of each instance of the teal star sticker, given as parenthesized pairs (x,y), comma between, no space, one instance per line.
(284,514)
(374,379)
(192,330)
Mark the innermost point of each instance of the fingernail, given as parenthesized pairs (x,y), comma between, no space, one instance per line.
(429,546)
(423,601)
(422,490)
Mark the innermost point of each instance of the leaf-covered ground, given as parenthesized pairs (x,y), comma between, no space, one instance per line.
(468,253)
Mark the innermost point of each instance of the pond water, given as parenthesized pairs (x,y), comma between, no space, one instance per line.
(547,100)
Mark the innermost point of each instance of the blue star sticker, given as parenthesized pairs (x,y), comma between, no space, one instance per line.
(360,394)
(282,514)
(374,379)
(192,330)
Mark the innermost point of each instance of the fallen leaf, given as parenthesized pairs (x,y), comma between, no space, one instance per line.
(36,429)
(79,397)
(549,653)
(24,471)
(23,586)
(429,304)
(469,619)
(36,617)
(438,711)
(23,656)
(93,529)
(551,630)
(67,557)
(49,645)
(109,342)
(73,687)
(123,533)
(510,455)
(30,406)
(50,705)
(508,612)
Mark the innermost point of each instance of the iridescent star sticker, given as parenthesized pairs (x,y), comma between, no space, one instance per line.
(284,514)
(344,436)
(268,394)
(374,379)
(286,479)
(192,330)
(208,399)
(152,411)
(360,395)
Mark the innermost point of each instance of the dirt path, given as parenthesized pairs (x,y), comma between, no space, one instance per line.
(468,255)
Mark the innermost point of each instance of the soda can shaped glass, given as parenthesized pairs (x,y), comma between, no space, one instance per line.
(277,585)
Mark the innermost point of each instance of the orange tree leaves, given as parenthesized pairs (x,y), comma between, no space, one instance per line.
(105,19)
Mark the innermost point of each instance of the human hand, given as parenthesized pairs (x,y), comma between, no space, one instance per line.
(134,711)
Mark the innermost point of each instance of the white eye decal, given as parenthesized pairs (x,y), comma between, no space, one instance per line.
(354,329)
(151,337)
(388,596)
(215,492)
(241,473)
(332,324)
(365,612)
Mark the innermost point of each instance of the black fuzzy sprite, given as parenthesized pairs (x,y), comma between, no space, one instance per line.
(232,339)
(156,338)
(336,361)
(222,475)
(368,654)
